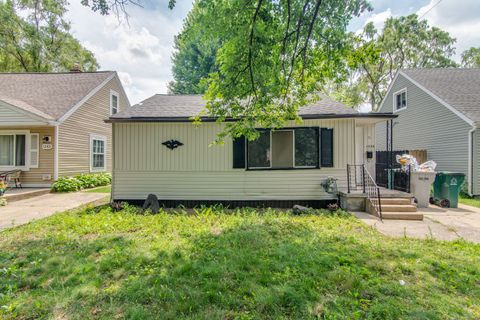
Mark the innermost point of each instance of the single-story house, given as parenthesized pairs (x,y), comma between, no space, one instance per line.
(438,111)
(51,124)
(157,150)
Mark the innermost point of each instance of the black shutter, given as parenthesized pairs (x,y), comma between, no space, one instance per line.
(326,147)
(239,152)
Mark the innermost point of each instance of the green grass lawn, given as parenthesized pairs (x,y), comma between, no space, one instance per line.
(469,201)
(243,264)
(106,189)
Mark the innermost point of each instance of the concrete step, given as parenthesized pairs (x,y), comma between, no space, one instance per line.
(402,216)
(398,207)
(401,201)
(13,195)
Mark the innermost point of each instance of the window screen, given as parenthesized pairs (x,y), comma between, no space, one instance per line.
(98,154)
(306,147)
(6,150)
(259,151)
(401,100)
(282,149)
(20,140)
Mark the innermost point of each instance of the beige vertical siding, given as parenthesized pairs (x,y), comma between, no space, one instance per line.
(198,171)
(34,176)
(74,133)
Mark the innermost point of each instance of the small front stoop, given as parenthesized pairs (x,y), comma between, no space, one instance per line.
(398,209)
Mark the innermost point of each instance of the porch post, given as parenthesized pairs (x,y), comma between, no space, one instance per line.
(55,150)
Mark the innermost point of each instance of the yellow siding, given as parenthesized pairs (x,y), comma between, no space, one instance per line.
(197,171)
(74,133)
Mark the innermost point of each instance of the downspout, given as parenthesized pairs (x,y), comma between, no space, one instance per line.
(470,160)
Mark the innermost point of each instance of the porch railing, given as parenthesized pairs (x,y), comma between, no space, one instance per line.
(355,177)
(373,194)
(359,179)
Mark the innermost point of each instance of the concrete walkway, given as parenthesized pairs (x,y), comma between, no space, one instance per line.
(438,223)
(24,211)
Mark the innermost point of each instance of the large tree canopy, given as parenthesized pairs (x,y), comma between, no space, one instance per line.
(272,57)
(404,42)
(34,36)
(471,58)
(193,60)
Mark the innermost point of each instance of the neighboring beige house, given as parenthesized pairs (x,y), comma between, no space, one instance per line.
(158,150)
(52,124)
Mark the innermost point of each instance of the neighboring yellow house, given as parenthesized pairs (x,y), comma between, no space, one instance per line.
(158,150)
(52,124)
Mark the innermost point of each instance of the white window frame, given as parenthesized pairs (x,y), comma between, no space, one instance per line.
(104,139)
(35,150)
(270,153)
(395,94)
(114,93)
(26,167)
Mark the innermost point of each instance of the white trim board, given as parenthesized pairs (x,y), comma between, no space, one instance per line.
(390,86)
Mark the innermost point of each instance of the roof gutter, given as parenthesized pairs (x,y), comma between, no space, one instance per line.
(212,119)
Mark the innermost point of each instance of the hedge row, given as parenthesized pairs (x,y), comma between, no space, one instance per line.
(81,181)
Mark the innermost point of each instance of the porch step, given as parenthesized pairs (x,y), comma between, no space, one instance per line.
(402,216)
(398,207)
(397,201)
(13,195)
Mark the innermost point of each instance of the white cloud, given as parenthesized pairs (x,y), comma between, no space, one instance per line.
(379,19)
(139,50)
(460,18)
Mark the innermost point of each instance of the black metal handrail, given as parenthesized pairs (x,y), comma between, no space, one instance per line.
(373,193)
(355,177)
(359,179)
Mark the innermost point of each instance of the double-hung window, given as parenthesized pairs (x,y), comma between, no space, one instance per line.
(13,150)
(98,145)
(400,100)
(113,103)
(295,148)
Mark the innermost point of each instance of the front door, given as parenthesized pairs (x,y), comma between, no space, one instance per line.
(359,145)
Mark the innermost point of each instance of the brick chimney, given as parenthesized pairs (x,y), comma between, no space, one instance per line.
(76,67)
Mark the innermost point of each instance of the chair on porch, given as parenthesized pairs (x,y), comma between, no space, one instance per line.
(13,175)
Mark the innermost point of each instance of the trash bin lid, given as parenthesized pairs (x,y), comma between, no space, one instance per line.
(448,173)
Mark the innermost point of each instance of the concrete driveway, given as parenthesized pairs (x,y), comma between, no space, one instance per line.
(24,211)
(438,223)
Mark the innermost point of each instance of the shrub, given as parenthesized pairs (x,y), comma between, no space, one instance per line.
(81,181)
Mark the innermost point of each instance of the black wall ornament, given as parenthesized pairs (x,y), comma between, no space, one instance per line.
(172,144)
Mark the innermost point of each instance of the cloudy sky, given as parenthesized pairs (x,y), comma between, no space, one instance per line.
(141,50)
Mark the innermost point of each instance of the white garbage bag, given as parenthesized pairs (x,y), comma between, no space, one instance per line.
(428,166)
(407,160)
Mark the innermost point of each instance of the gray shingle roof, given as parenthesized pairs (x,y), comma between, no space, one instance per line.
(460,88)
(52,94)
(163,106)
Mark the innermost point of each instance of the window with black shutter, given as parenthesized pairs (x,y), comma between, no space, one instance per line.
(326,147)
(239,153)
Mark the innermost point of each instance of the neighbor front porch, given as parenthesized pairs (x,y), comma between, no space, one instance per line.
(28,154)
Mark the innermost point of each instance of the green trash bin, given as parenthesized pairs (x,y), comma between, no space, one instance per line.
(446,188)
